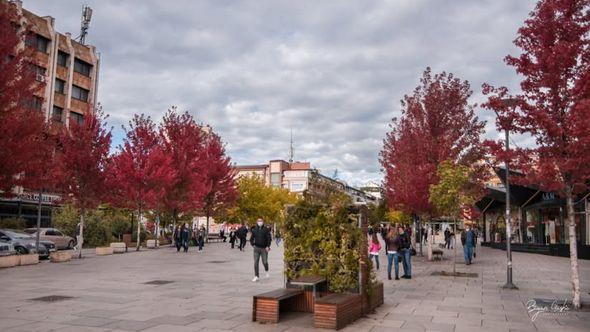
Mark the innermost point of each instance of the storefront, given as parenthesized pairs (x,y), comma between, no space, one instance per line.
(25,206)
(539,220)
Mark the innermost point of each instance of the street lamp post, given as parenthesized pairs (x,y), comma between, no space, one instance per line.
(509,284)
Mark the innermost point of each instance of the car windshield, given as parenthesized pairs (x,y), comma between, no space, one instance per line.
(18,235)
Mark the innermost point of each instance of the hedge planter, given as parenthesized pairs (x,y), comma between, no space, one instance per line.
(60,256)
(104,251)
(30,259)
(119,247)
(9,261)
(376,296)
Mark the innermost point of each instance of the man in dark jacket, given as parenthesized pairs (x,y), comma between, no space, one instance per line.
(242,233)
(260,239)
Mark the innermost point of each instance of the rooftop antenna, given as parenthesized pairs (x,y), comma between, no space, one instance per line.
(291,149)
(86,17)
(335,175)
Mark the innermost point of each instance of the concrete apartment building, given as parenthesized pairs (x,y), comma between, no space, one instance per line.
(69,70)
(299,177)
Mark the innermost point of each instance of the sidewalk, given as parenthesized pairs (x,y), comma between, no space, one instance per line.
(212,291)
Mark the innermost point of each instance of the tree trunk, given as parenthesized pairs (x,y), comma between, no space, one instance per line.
(39,220)
(81,240)
(575,273)
(157,228)
(138,230)
(207,230)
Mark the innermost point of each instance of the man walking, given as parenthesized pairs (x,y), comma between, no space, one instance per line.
(242,233)
(468,242)
(447,238)
(260,240)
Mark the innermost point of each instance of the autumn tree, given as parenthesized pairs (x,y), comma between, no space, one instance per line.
(553,106)
(184,143)
(437,124)
(81,164)
(140,174)
(21,126)
(256,199)
(452,193)
(219,181)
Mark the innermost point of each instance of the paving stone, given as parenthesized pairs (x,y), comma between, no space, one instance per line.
(89,321)
(130,325)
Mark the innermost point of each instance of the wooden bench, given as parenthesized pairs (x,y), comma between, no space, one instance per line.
(266,307)
(335,311)
(437,253)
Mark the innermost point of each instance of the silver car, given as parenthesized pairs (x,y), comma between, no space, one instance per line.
(23,243)
(54,235)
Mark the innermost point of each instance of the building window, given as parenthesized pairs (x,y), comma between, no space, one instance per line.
(60,86)
(37,42)
(82,67)
(76,117)
(36,103)
(57,114)
(79,93)
(62,59)
(275,179)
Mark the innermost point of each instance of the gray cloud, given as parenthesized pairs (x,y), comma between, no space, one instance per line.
(334,71)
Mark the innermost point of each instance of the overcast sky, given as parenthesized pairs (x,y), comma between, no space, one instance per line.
(334,71)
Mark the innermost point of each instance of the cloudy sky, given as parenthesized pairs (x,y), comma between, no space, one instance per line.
(333,71)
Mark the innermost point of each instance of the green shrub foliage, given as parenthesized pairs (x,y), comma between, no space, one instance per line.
(13,223)
(324,241)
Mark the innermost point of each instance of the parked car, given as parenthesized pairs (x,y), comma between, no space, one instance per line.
(24,243)
(6,248)
(54,235)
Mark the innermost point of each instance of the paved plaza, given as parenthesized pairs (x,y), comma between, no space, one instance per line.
(212,291)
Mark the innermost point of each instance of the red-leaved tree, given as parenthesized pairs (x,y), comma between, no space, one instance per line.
(183,141)
(437,124)
(22,128)
(220,178)
(140,174)
(553,107)
(82,162)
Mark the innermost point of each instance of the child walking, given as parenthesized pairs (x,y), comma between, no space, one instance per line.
(374,249)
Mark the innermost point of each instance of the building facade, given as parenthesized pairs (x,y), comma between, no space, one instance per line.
(300,178)
(68,71)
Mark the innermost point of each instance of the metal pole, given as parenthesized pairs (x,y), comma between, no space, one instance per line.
(39,219)
(509,284)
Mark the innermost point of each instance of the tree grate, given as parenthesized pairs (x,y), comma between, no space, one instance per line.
(158,282)
(456,274)
(52,298)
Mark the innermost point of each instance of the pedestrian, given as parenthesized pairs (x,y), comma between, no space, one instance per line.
(374,249)
(405,249)
(201,238)
(184,237)
(222,234)
(277,237)
(392,243)
(447,238)
(260,240)
(177,238)
(370,230)
(232,237)
(468,242)
(78,245)
(242,233)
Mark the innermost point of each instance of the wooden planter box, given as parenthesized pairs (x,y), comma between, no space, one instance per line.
(9,261)
(104,251)
(30,259)
(151,244)
(376,297)
(60,256)
(119,247)
(337,310)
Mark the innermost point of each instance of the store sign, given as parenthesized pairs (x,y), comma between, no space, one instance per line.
(548,196)
(45,198)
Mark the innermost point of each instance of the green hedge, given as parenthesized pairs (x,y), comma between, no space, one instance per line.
(13,223)
(324,241)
